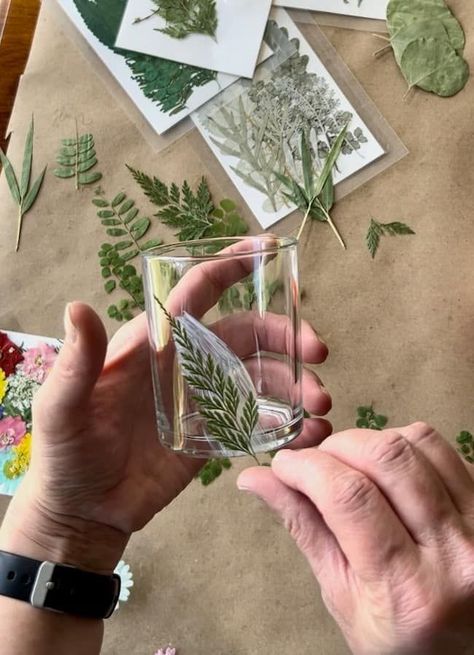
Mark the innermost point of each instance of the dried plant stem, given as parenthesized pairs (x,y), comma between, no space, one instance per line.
(20,225)
(303,224)
(77,155)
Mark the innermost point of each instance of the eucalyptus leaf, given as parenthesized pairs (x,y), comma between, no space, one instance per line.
(427,41)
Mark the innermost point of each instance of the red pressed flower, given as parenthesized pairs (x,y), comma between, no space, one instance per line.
(10,354)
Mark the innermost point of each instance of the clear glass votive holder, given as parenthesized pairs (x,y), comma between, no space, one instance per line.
(224,326)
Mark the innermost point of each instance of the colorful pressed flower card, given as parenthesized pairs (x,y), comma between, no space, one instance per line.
(212,34)
(25,362)
(254,129)
(164,91)
(362,8)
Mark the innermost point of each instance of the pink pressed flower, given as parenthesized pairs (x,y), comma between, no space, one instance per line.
(166,651)
(38,362)
(12,431)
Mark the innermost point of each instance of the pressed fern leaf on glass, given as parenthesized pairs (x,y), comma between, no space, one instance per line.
(231,420)
(76,158)
(23,193)
(185,17)
(168,84)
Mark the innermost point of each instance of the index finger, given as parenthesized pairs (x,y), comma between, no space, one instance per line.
(368,531)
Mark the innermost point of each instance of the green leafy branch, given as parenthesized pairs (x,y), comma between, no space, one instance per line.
(316,197)
(76,158)
(23,194)
(378,230)
(192,213)
(213,469)
(367,418)
(230,420)
(465,440)
(118,273)
(185,17)
(120,217)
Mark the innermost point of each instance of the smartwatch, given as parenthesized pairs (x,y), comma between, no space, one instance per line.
(58,587)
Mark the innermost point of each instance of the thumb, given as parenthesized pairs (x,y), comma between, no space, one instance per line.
(78,366)
(300,517)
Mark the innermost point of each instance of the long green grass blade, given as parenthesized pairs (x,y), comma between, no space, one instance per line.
(331,159)
(27,161)
(307,163)
(10,177)
(33,192)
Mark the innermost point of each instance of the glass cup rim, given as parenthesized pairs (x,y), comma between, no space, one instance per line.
(165,252)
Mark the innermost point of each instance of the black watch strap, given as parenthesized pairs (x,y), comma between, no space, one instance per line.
(58,587)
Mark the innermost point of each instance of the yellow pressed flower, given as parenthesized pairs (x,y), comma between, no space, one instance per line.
(3,384)
(20,462)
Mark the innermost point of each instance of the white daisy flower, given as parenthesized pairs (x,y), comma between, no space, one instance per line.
(126,577)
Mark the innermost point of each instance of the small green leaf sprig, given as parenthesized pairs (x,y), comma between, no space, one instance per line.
(378,230)
(192,213)
(465,441)
(76,157)
(230,420)
(367,418)
(22,193)
(212,470)
(121,219)
(185,17)
(316,197)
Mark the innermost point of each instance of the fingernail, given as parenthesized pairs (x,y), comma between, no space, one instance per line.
(69,327)
(284,455)
(242,487)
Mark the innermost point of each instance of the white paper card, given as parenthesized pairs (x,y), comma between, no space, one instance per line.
(362,8)
(160,118)
(237,143)
(235,49)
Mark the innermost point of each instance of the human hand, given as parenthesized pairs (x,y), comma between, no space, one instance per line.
(386,521)
(98,471)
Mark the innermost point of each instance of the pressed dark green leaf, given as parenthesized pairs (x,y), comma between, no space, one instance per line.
(140,227)
(123,245)
(110,221)
(89,178)
(110,286)
(33,192)
(112,311)
(27,161)
(64,172)
(307,163)
(153,243)
(228,205)
(133,213)
(86,165)
(99,202)
(330,161)
(116,232)
(119,198)
(130,255)
(128,204)
(106,272)
(327,194)
(106,213)
(106,247)
(68,162)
